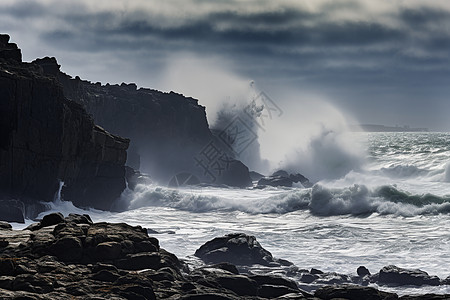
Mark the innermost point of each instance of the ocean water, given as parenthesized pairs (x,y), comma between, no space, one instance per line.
(393,209)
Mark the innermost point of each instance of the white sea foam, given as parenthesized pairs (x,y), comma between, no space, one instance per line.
(319,200)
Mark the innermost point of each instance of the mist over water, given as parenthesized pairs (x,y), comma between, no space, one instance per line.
(296,131)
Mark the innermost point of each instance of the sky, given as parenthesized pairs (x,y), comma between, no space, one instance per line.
(379,62)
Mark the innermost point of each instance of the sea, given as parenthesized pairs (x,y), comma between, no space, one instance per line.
(392,209)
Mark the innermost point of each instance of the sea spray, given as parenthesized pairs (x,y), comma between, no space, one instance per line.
(293,130)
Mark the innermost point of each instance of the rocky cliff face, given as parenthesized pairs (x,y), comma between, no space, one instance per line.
(169,132)
(46,138)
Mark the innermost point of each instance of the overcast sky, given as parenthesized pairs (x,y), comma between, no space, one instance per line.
(384,62)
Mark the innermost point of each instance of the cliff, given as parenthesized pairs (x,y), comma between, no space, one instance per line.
(169,132)
(46,138)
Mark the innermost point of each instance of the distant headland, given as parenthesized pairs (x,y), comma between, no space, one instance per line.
(383,128)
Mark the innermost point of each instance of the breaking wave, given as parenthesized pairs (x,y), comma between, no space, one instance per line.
(356,200)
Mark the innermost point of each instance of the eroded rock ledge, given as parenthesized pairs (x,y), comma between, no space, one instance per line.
(46,138)
(74,258)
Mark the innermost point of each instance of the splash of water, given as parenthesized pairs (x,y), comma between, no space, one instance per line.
(293,130)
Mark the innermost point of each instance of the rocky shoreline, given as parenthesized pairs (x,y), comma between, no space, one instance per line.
(74,258)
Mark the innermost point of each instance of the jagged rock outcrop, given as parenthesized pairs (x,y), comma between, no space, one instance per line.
(73,257)
(9,50)
(393,275)
(169,132)
(283,178)
(239,249)
(46,138)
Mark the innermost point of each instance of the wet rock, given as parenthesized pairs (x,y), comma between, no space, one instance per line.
(255,176)
(362,271)
(62,263)
(274,280)
(273,291)
(236,174)
(52,219)
(79,219)
(353,292)
(275,181)
(236,248)
(108,250)
(7,266)
(333,278)
(241,285)
(45,138)
(139,261)
(12,210)
(394,275)
(5,225)
(227,267)
(283,178)
(106,276)
(68,248)
(426,297)
(308,278)
(316,271)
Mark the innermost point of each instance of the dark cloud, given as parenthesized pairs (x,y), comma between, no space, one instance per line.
(341,48)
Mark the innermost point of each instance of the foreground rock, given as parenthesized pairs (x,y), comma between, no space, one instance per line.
(393,275)
(353,292)
(239,249)
(72,257)
(46,138)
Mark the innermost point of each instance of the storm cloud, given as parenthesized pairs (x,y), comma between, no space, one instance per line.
(381,61)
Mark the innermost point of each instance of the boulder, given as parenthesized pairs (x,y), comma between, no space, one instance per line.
(236,248)
(352,292)
(393,275)
(52,219)
(12,211)
(362,271)
(235,174)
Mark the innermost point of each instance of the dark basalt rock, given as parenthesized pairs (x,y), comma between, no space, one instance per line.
(12,211)
(255,176)
(283,178)
(9,51)
(45,138)
(393,275)
(76,258)
(52,219)
(426,297)
(236,248)
(275,181)
(353,292)
(169,132)
(236,174)
(362,271)
(5,225)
